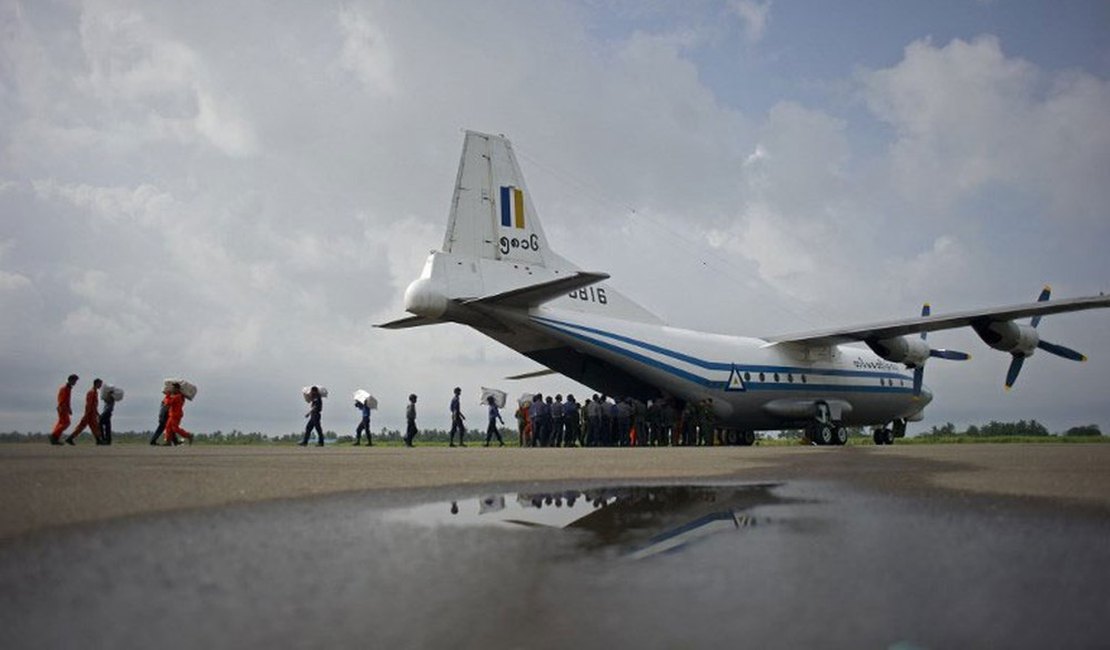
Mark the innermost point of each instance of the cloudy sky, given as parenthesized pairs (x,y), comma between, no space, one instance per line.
(235,192)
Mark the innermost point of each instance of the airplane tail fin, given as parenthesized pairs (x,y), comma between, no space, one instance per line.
(492,215)
(495,254)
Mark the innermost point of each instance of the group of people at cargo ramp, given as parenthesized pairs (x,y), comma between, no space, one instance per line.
(621,422)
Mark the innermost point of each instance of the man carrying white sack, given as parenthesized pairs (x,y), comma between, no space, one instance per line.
(313,416)
(363,406)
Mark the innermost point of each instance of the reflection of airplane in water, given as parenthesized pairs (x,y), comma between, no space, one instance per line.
(496,274)
(637,521)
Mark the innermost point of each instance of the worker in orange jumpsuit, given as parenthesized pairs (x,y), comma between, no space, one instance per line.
(177,412)
(65,409)
(91,418)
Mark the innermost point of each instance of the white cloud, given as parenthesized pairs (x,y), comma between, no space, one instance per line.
(754,15)
(366,50)
(966,116)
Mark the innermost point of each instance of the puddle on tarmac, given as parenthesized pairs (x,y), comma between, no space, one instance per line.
(635,521)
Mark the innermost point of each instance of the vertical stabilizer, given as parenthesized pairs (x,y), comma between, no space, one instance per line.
(492,216)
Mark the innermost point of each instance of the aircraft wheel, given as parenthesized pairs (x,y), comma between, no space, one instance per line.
(731,437)
(878,437)
(888,436)
(748,438)
(841,438)
(825,435)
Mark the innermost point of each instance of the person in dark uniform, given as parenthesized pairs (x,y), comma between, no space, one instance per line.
(570,421)
(410,420)
(557,413)
(457,419)
(313,416)
(535,416)
(163,415)
(494,418)
(593,414)
(548,422)
(106,417)
(364,424)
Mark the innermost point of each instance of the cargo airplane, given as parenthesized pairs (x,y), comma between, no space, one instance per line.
(496,274)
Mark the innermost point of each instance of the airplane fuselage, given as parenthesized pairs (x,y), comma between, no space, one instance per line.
(753,385)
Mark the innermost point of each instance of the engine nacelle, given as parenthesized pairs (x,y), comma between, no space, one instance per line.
(911,351)
(1008,336)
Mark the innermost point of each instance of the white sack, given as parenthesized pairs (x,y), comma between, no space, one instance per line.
(107,389)
(364,397)
(307,392)
(188,389)
(499,397)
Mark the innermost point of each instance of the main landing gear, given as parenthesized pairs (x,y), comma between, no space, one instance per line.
(824,430)
(827,433)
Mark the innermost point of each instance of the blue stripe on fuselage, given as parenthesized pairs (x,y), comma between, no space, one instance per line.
(565,328)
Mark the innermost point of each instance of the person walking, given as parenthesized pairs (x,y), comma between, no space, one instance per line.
(313,415)
(91,417)
(65,409)
(364,424)
(494,418)
(163,414)
(457,419)
(106,416)
(175,415)
(410,420)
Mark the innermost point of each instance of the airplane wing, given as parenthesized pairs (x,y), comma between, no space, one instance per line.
(891,329)
(539,293)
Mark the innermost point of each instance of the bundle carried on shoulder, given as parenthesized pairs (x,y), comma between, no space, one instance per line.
(115,393)
(499,397)
(188,389)
(365,398)
(307,392)
(525,399)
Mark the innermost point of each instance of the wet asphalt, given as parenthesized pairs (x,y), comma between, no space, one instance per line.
(680,564)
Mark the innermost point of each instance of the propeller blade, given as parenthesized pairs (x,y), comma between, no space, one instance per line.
(1045,293)
(925,311)
(1012,373)
(1061,351)
(918,376)
(951,355)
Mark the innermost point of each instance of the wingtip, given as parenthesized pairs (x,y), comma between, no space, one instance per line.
(1082,358)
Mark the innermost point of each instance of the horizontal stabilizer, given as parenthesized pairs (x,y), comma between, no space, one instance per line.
(537,294)
(407,322)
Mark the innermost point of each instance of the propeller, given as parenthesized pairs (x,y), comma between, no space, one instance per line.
(951,355)
(1051,348)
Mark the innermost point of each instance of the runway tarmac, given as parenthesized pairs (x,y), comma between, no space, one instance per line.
(893,547)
